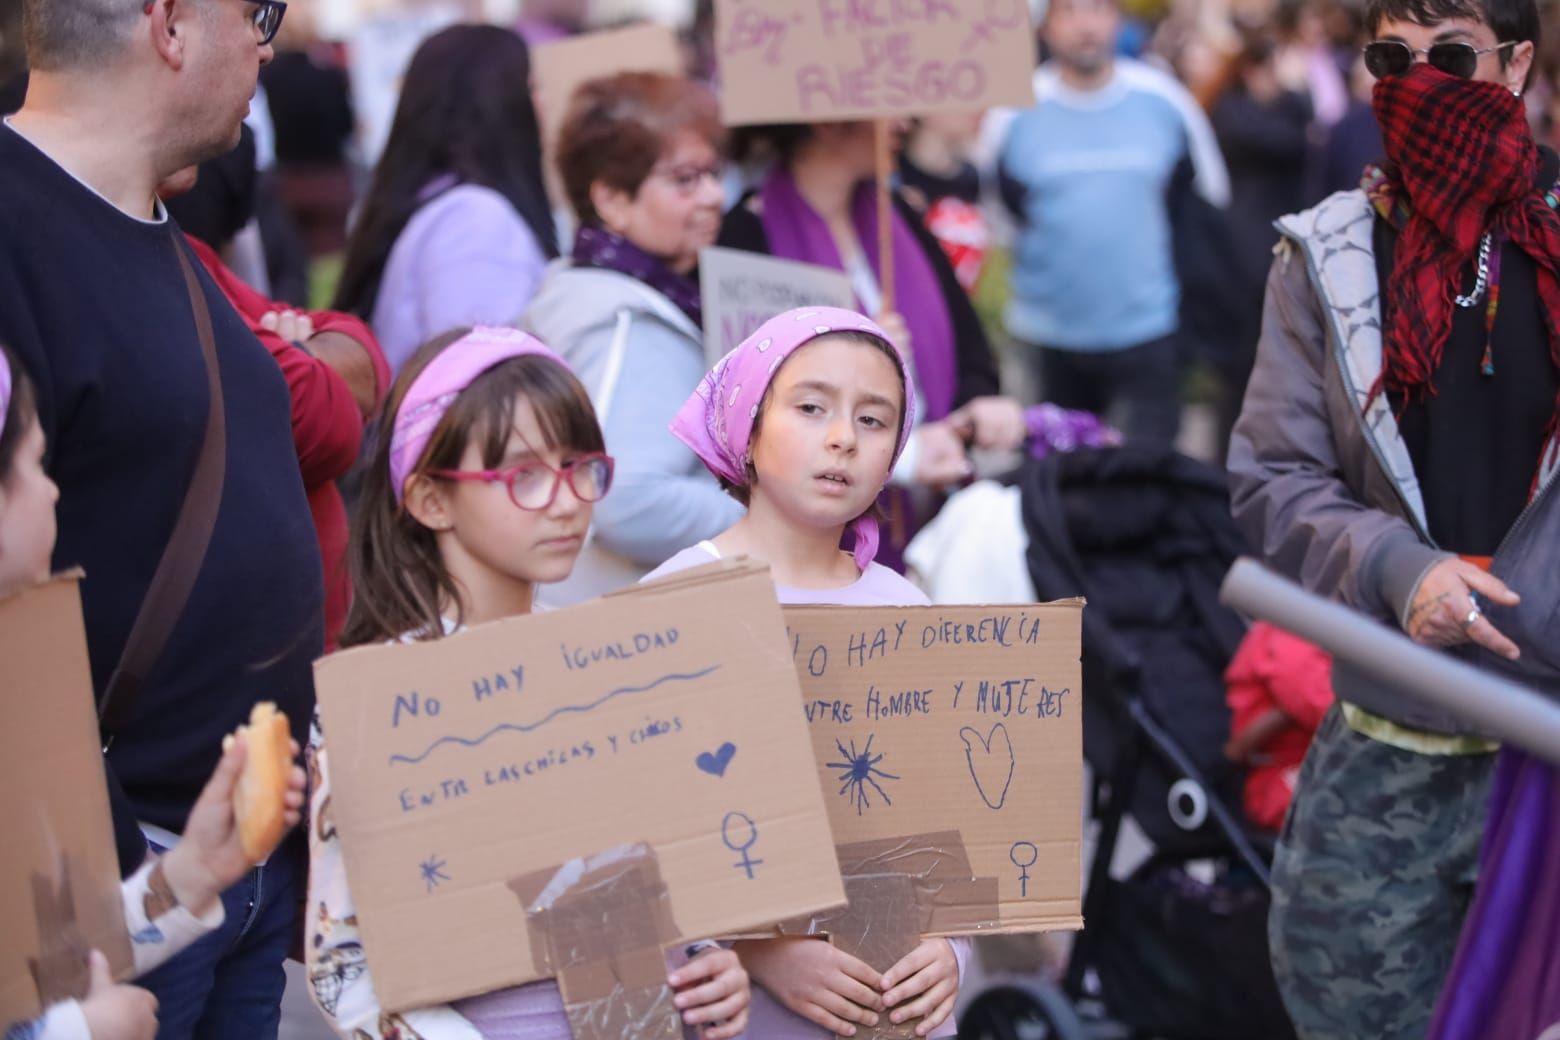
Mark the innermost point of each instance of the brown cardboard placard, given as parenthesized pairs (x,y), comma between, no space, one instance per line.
(949,744)
(561,66)
(742,290)
(810,61)
(59,872)
(667,715)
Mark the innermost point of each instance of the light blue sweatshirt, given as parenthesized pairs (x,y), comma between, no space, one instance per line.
(1087,174)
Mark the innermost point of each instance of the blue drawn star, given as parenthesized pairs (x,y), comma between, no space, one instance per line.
(433,872)
(859,770)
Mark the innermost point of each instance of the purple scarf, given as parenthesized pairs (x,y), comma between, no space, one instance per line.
(1505,982)
(598,247)
(796,232)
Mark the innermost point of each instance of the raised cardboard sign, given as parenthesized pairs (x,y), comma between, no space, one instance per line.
(560,67)
(742,290)
(808,61)
(59,873)
(640,760)
(949,744)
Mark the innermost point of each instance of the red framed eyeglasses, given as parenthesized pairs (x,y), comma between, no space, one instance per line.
(533,485)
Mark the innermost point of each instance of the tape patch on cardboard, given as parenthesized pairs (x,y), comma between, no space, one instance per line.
(601,925)
(60,970)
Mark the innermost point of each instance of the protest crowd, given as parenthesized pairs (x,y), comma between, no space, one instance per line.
(347,346)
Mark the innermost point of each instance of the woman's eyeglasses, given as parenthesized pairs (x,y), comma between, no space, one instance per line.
(1385,58)
(533,486)
(687,179)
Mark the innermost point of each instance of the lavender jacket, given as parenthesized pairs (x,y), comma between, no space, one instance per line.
(466,257)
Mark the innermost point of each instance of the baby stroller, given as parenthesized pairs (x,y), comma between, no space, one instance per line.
(1175,950)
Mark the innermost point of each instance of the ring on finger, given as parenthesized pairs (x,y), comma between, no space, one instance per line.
(1474,614)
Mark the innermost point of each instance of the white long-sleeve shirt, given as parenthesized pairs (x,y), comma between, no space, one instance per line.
(152,942)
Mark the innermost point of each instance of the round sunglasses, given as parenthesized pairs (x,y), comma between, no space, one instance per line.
(1385,58)
(533,486)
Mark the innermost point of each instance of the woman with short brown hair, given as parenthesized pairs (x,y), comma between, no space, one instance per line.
(639,155)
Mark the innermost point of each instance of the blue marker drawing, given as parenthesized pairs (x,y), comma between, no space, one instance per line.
(859,769)
(573,709)
(1023,867)
(715,764)
(433,872)
(747,862)
(991,766)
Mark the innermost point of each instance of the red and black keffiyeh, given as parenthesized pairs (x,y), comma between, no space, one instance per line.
(1462,161)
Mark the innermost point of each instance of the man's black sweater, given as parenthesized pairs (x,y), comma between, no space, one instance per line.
(94,303)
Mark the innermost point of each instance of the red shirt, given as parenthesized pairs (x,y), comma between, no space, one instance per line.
(1275,670)
(326,424)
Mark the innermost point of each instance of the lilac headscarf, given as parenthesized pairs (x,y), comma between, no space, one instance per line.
(441,382)
(717,421)
(5,390)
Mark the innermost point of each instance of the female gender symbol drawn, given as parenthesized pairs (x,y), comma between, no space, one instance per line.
(1023,868)
(748,862)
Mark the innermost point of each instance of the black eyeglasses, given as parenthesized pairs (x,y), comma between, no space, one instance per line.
(1385,58)
(268,18)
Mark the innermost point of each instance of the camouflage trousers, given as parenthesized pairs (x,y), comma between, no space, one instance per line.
(1372,878)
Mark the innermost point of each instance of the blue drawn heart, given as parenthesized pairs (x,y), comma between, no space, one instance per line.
(716,764)
(990,759)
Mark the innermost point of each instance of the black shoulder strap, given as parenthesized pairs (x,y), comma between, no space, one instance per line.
(182,557)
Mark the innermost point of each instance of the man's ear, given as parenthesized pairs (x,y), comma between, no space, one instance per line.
(1518,67)
(169,22)
(428,502)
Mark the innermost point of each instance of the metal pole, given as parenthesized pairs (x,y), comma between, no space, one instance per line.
(1493,705)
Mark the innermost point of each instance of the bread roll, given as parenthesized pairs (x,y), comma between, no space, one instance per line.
(257,800)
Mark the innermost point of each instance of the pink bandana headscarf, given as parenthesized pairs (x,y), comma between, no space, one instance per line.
(436,387)
(717,421)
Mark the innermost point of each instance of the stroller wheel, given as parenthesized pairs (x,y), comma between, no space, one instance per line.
(1020,1009)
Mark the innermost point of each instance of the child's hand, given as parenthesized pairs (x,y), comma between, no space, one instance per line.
(811,978)
(293,326)
(116,1012)
(927,977)
(210,857)
(720,1002)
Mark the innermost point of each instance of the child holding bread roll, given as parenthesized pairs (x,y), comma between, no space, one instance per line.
(489,461)
(172,900)
(802,423)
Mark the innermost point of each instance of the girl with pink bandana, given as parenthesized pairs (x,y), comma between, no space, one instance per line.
(802,423)
(482,486)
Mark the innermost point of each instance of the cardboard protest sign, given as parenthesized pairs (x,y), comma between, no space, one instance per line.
(559,68)
(949,744)
(59,873)
(639,760)
(742,290)
(808,61)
